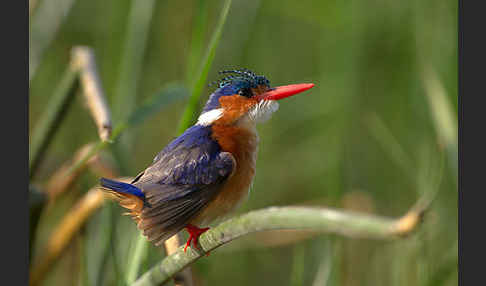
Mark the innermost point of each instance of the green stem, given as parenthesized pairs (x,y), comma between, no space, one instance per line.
(190,111)
(44,25)
(136,38)
(140,252)
(297,274)
(274,218)
(140,17)
(197,40)
(51,119)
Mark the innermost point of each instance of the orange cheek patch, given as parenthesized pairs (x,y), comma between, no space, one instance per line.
(234,107)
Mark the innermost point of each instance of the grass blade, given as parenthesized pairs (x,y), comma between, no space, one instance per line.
(198,84)
(197,40)
(139,253)
(132,58)
(444,118)
(44,24)
(170,93)
(389,143)
(298,263)
(129,74)
(51,119)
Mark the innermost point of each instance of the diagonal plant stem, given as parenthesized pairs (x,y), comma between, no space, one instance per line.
(197,86)
(49,122)
(61,181)
(84,59)
(443,115)
(139,20)
(139,253)
(81,71)
(64,232)
(45,19)
(134,46)
(72,221)
(344,223)
(197,40)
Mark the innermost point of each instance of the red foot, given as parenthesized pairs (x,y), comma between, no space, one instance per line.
(194,233)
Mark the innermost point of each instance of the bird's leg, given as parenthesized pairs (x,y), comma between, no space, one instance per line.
(194,233)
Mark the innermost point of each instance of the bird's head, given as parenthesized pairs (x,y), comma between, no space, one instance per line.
(242,94)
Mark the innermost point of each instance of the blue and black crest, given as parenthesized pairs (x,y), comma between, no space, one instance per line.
(241,77)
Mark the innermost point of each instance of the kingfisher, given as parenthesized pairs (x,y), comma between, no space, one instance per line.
(205,173)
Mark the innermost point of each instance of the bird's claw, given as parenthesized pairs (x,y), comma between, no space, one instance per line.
(194,233)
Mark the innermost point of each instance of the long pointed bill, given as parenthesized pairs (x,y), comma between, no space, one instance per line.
(280,92)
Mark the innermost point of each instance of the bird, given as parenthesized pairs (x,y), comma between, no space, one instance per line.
(207,172)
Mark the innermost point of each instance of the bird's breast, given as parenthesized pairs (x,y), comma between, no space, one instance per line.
(241,141)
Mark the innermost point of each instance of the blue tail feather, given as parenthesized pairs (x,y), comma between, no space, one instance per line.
(122,188)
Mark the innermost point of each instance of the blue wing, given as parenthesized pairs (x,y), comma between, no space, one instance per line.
(181,181)
(193,158)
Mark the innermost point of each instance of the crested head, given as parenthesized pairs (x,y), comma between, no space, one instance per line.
(238,96)
(243,95)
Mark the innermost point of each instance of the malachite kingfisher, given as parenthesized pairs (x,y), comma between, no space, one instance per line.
(206,172)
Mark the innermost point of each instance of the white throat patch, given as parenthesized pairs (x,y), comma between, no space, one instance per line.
(263,110)
(207,118)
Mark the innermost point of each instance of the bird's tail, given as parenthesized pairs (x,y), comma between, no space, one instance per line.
(127,195)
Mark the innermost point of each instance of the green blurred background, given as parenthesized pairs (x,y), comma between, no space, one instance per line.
(370,136)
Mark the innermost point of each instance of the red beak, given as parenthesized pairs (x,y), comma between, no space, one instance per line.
(280,92)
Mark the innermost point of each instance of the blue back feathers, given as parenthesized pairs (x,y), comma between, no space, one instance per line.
(194,136)
(191,159)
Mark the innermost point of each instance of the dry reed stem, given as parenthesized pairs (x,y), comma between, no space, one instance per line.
(408,223)
(63,178)
(83,58)
(65,231)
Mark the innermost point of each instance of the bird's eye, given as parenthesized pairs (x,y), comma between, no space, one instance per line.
(246,92)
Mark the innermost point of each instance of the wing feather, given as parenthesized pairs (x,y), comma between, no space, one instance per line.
(181,181)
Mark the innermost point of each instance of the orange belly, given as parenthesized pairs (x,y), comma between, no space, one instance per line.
(243,144)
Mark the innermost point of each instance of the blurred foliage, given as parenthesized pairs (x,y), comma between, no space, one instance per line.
(364,138)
